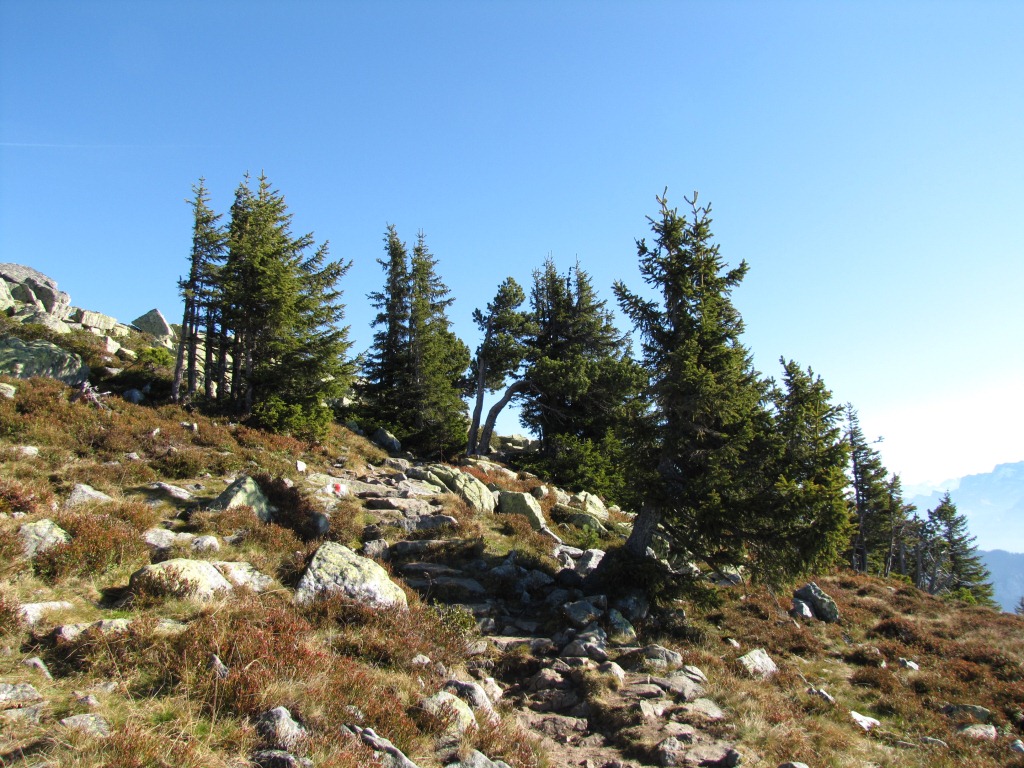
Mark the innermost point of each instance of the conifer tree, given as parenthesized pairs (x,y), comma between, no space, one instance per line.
(386,368)
(805,493)
(277,310)
(1019,610)
(956,568)
(705,396)
(208,241)
(877,503)
(438,361)
(502,350)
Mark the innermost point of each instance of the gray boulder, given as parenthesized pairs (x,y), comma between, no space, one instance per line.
(153,323)
(590,504)
(24,359)
(524,504)
(83,494)
(468,488)
(758,663)
(386,440)
(180,577)
(40,536)
(444,705)
(29,282)
(337,569)
(93,725)
(824,607)
(242,574)
(93,320)
(279,730)
(245,492)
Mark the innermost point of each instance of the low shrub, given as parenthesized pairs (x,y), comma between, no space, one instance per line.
(98,544)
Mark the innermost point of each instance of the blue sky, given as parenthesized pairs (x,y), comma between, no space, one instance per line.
(866,159)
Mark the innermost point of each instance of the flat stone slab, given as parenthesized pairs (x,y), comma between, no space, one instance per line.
(18,695)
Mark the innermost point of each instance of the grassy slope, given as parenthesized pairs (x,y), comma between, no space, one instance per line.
(336,663)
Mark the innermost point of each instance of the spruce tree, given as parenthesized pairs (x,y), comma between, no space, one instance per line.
(958,568)
(386,366)
(704,393)
(804,500)
(879,513)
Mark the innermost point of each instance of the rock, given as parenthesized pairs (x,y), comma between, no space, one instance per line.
(94,725)
(676,752)
(793,765)
(680,685)
(336,568)
(219,669)
(392,757)
(180,577)
(31,613)
(83,494)
(980,732)
(590,504)
(581,613)
(1017,746)
(476,759)
(8,391)
(386,440)
(621,630)
(204,544)
(67,633)
(465,486)
(865,722)
(36,287)
(824,607)
(18,695)
(180,494)
(153,323)
(376,549)
(245,492)
(25,359)
(245,575)
(758,663)
(41,536)
(38,664)
(279,730)
(522,504)
(588,562)
(278,758)
(928,741)
(474,695)
(444,705)
(801,610)
(981,714)
(908,664)
(822,694)
(159,538)
(93,319)
(133,396)
(705,709)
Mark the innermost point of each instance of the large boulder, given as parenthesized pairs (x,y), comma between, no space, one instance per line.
(93,319)
(25,359)
(153,323)
(466,487)
(198,579)
(386,440)
(337,569)
(6,299)
(590,504)
(35,287)
(524,504)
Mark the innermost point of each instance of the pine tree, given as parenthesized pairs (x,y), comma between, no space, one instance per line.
(208,241)
(873,499)
(502,350)
(705,395)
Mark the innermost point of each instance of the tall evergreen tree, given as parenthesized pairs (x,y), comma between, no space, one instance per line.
(805,494)
(438,361)
(705,394)
(278,310)
(875,503)
(208,242)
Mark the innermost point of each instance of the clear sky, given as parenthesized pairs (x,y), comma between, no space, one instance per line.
(865,158)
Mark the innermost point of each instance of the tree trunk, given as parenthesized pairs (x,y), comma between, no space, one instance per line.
(179,362)
(478,409)
(492,415)
(644,527)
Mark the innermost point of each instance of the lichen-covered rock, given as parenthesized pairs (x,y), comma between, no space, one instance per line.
(36,287)
(386,440)
(83,494)
(93,725)
(40,536)
(245,492)
(445,705)
(25,359)
(466,487)
(758,663)
(242,574)
(824,607)
(181,577)
(524,504)
(32,613)
(279,730)
(153,323)
(17,695)
(337,569)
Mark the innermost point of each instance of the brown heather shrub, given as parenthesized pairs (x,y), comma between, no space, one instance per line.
(109,478)
(10,615)
(136,744)
(24,496)
(874,677)
(248,437)
(98,543)
(182,463)
(902,630)
(507,741)
(527,542)
(295,510)
(11,552)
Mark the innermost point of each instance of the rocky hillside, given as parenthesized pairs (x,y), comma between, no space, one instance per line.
(181,591)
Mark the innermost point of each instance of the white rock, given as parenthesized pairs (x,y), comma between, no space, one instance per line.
(865,722)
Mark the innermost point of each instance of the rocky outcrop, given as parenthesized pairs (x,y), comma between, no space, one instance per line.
(25,359)
(33,288)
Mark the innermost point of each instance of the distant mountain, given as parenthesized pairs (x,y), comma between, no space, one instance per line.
(993,503)
(1007,569)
